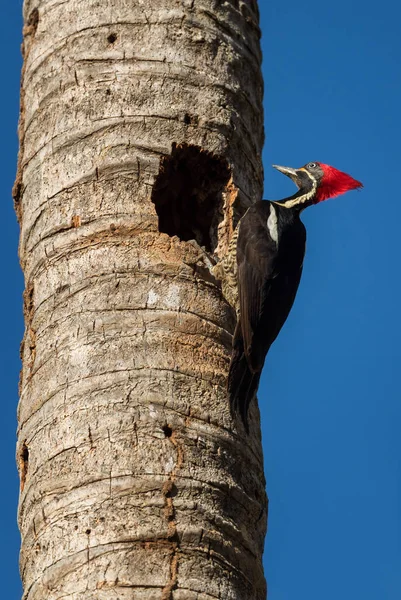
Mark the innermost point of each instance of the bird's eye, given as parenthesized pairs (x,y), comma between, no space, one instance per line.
(312,165)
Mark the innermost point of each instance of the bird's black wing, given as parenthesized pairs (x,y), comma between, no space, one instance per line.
(256,263)
(257,269)
(268,279)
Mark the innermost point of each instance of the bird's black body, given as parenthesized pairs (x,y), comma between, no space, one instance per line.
(261,271)
(270,251)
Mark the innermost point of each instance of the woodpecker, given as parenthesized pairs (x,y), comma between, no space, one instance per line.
(262,269)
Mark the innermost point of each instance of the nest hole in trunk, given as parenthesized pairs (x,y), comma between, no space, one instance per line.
(23,461)
(188,194)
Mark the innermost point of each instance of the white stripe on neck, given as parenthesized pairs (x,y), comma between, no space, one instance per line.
(305,197)
(272,224)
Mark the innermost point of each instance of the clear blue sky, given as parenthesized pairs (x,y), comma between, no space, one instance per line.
(330,395)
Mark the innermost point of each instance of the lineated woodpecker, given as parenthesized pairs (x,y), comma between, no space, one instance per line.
(261,272)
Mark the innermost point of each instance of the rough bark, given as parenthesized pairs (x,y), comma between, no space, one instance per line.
(140,129)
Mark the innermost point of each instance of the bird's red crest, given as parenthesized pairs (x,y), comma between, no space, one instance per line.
(334,183)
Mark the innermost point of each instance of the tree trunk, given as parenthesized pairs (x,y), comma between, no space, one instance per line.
(140,130)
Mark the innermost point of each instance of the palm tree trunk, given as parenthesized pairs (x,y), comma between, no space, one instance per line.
(140,130)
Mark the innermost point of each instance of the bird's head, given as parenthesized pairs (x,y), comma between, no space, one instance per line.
(317,182)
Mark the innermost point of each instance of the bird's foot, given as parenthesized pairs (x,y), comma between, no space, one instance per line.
(204,263)
(208,259)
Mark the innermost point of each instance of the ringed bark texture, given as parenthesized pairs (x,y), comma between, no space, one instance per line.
(140,130)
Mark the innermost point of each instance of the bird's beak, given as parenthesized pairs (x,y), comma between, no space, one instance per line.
(290,172)
(286,170)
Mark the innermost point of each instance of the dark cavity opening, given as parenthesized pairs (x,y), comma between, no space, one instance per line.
(168,432)
(23,464)
(172,492)
(25,455)
(33,19)
(188,194)
(173,536)
(191,119)
(112,38)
